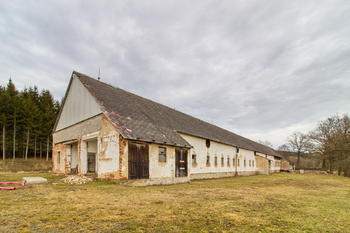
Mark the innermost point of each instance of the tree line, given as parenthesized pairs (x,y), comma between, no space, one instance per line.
(330,140)
(27,119)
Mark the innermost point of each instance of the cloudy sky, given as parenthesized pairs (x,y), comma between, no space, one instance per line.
(262,69)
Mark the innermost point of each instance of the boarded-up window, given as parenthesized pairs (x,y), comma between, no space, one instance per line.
(181,163)
(138,161)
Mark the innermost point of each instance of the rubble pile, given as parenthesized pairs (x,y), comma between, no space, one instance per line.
(76,179)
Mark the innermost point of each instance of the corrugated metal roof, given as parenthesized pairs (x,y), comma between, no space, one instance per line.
(137,118)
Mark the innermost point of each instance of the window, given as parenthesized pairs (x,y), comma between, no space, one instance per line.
(228,161)
(222,161)
(245,164)
(208,160)
(207,143)
(194,159)
(233,162)
(162,154)
(238,162)
(58,156)
(216,161)
(253,163)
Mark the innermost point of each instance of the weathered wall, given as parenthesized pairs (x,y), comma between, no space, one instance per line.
(285,164)
(76,131)
(108,147)
(161,169)
(218,150)
(95,135)
(262,164)
(59,166)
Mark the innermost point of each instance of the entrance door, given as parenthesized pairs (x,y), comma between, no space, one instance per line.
(91,162)
(138,161)
(181,163)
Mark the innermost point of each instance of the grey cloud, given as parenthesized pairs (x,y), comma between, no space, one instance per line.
(253,67)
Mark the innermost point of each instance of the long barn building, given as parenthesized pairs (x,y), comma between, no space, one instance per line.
(119,135)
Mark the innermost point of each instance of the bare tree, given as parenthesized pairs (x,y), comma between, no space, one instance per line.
(299,143)
(265,143)
(283,147)
(331,139)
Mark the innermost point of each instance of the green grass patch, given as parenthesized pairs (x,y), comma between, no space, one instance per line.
(276,203)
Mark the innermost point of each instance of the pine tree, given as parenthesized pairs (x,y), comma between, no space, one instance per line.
(3,116)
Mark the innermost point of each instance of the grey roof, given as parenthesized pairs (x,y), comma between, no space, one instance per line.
(137,118)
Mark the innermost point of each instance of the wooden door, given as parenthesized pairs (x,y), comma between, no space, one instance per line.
(181,163)
(91,162)
(138,161)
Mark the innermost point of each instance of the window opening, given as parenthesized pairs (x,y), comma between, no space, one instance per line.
(208,160)
(216,161)
(207,143)
(58,156)
(194,159)
(162,154)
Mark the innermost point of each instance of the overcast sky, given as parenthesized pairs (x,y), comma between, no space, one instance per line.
(262,69)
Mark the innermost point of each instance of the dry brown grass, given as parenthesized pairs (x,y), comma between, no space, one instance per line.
(277,203)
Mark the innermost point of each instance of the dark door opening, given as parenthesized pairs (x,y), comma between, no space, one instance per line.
(91,162)
(138,161)
(181,163)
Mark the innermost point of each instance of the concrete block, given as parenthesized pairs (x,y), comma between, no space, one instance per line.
(33,180)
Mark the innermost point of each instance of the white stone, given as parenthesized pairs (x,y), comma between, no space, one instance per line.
(33,180)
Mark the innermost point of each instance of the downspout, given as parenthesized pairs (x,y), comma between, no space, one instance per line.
(237,150)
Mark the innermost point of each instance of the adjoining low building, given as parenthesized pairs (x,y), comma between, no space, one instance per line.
(119,135)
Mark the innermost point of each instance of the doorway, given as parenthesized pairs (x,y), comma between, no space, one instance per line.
(181,162)
(91,163)
(138,161)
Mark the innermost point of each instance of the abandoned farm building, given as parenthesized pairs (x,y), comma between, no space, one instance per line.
(119,135)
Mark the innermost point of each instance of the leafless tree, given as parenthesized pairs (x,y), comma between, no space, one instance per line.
(283,147)
(265,143)
(299,143)
(331,139)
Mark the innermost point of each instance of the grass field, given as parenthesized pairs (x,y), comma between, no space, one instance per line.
(277,203)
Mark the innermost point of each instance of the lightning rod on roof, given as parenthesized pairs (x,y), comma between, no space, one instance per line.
(98,74)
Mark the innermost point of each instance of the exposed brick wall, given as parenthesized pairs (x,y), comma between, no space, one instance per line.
(123,158)
(262,165)
(285,164)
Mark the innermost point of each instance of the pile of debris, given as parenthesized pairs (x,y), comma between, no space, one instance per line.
(76,179)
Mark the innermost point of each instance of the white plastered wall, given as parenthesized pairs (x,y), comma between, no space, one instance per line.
(161,169)
(219,150)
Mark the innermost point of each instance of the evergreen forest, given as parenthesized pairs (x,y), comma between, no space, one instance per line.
(27,119)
